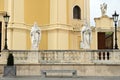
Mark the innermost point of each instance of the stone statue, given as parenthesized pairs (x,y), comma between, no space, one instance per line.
(103,8)
(35,36)
(86,35)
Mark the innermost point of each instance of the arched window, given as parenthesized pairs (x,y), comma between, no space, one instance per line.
(76,12)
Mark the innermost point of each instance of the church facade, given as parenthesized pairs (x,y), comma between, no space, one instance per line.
(60,21)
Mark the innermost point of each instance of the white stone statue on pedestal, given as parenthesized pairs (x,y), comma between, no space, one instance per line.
(86,35)
(103,8)
(35,35)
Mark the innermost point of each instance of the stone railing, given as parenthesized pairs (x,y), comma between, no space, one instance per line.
(105,56)
(65,56)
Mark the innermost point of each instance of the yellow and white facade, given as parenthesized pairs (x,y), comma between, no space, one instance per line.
(55,18)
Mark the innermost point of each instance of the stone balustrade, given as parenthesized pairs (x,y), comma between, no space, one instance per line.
(65,56)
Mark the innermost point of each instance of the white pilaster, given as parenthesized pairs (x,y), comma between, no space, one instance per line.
(87,11)
(58,11)
(15,9)
(58,37)
(19,11)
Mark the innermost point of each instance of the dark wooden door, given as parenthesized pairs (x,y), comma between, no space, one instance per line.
(105,40)
(109,40)
(101,40)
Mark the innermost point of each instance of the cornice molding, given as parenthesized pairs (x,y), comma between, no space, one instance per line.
(43,27)
(2,12)
(102,29)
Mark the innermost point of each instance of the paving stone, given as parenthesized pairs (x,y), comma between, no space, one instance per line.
(60,78)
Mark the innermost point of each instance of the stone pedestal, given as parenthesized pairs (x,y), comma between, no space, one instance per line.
(33,57)
(9,71)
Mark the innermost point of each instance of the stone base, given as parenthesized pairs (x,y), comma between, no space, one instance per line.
(32,58)
(9,71)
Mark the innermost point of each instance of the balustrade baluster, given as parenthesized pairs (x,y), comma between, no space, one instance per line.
(103,55)
(106,56)
(96,55)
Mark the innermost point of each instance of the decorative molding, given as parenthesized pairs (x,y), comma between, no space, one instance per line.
(56,26)
(43,27)
(104,29)
(18,26)
(103,17)
(2,12)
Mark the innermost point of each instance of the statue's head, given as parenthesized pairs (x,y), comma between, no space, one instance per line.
(35,24)
(35,27)
(85,24)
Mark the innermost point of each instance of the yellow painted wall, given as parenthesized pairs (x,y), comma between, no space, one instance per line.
(1,5)
(74,40)
(69,40)
(44,41)
(28,41)
(19,40)
(37,10)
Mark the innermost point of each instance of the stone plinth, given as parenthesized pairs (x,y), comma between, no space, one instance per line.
(9,71)
(32,57)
